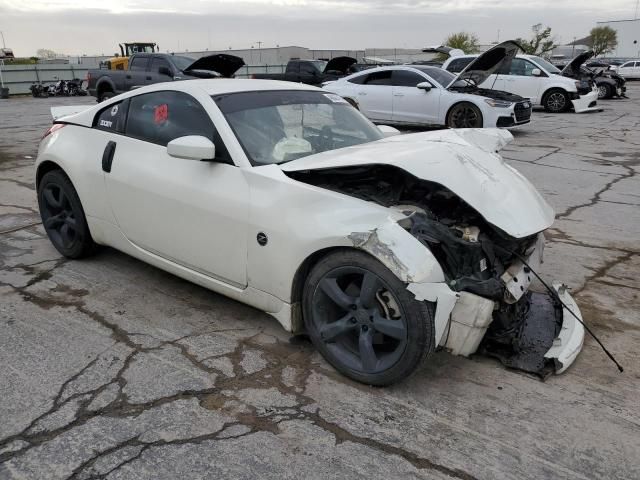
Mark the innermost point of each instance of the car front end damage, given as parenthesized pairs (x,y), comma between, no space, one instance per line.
(485,252)
(587,102)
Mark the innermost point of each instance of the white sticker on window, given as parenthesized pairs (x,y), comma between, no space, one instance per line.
(114,110)
(335,98)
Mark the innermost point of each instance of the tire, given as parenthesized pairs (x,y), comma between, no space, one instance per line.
(464,115)
(604,91)
(556,101)
(63,217)
(105,96)
(346,324)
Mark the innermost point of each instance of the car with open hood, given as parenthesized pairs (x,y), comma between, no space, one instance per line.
(426,95)
(380,247)
(312,72)
(608,83)
(531,77)
(149,68)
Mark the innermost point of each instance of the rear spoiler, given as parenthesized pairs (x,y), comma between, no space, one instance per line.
(67,110)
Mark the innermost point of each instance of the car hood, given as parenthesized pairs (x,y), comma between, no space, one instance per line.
(225,65)
(339,64)
(572,69)
(489,63)
(444,49)
(464,161)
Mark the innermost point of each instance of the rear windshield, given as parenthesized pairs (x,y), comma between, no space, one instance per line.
(283,125)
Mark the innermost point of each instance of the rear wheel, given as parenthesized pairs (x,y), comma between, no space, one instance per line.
(63,217)
(556,101)
(464,115)
(363,320)
(105,96)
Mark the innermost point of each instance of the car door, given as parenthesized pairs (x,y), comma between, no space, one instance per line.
(375,96)
(193,213)
(521,81)
(135,77)
(412,104)
(154,75)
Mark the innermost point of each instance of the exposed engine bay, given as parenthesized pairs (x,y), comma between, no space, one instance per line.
(476,257)
(485,92)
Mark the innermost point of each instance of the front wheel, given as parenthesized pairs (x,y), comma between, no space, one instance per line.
(604,91)
(364,321)
(63,217)
(556,101)
(464,115)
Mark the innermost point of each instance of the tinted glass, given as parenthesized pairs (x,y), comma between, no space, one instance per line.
(182,63)
(440,76)
(111,119)
(458,64)
(521,67)
(156,63)
(160,117)
(138,63)
(358,79)
(546,65)
(280,126)
(379,78)
(406,78)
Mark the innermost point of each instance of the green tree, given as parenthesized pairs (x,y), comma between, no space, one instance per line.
(603,40)
(46,53)
(541,42)
(467,42)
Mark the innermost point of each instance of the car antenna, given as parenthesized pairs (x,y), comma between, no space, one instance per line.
(556,297)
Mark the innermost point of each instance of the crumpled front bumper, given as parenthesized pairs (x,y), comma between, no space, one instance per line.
(569,341)
(586,103)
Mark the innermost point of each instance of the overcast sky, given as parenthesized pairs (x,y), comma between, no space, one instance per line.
(97,26)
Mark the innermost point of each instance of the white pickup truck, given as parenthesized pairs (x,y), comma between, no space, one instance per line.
(534,78)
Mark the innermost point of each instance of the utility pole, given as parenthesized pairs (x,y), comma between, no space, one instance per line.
(4,46)
(259,51)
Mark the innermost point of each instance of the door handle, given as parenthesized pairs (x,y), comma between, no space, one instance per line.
(398,94)
(127,77)
(361,93)
(107,156)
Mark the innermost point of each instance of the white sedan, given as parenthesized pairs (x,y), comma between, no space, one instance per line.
(284,197)
(430,96)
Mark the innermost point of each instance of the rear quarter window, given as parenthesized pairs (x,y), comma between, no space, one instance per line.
(458,64)
(111,118)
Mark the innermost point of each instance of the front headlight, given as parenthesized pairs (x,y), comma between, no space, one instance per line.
(578,84)
(497,103)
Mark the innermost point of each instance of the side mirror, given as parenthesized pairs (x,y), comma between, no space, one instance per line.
(192,147)
(165,71)
(536,72)
(426,86)
(388,131)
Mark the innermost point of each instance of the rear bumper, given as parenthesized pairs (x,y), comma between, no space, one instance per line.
(568,343)
(586,103)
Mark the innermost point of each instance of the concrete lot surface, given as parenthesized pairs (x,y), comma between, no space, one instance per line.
(113,369)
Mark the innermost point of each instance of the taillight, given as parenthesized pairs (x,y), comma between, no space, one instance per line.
(87,77)
(252,76)
(51,129)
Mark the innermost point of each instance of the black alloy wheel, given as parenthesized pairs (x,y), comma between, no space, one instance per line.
(464,115)
(364,321)
(556,101)
(62,215)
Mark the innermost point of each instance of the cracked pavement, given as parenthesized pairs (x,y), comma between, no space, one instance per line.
(113,369)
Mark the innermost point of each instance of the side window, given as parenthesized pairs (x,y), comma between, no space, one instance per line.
(160,117)
(358,80)
(458,64)
(138,63)
(112,118)
(156,63)
(379,78)
(406,78)
(308,69)
(521,67)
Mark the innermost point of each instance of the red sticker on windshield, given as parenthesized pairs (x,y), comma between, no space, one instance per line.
(161,113)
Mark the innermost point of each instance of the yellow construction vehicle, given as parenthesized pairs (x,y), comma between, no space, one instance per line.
(121,62)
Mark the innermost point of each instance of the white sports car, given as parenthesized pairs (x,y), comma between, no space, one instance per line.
(430,96)
(284,197)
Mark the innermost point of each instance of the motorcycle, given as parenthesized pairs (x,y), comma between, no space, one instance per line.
(39,90)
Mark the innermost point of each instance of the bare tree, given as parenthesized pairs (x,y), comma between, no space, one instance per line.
(541,41)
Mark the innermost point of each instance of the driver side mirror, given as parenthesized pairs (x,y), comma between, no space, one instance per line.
(426,86)
(536,72)
(192,147)
(164,70)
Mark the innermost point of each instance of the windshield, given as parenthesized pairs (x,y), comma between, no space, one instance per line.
(319,65)
(280,126)
(546,65)
(182,63)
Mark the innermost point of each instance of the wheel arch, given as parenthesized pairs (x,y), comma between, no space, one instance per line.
(459,102)
(551,89)
(45,167)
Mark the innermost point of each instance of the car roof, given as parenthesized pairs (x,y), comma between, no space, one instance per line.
(220,86)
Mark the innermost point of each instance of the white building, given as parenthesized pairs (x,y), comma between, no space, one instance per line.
(628,37)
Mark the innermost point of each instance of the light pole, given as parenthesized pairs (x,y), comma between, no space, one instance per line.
(259,52)
(2,35)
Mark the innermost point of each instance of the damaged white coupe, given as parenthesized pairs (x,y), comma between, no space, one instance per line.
(380,247)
